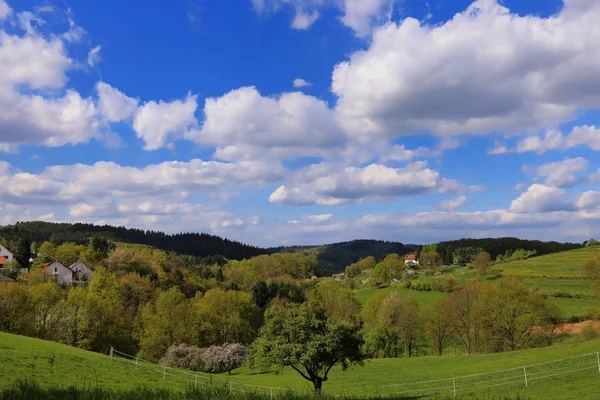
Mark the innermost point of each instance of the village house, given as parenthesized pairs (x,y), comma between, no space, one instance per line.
(410,261)
(78,273)
(4,253)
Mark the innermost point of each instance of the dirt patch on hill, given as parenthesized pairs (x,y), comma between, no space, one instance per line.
(578,327)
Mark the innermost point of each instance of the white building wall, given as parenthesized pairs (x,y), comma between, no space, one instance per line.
(60,273)
(5,253)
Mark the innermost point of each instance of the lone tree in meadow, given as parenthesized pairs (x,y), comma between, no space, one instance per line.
(482,262)
(308,340)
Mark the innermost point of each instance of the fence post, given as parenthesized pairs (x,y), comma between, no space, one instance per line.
(598,358)
(525,374)
(230,388)
(195,381)
(271,393)
(111,352)
(164,373)
(136,361)
(454,384)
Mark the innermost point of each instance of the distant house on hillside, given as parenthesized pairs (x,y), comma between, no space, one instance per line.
(59,272)
(78,273)
(5,281)
(81,272)
(410,260)
(4,253)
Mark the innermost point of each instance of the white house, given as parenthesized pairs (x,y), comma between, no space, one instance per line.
(81,272)
(60,273)
(410,260)
(5,253)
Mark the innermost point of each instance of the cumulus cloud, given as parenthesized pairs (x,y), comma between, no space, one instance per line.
(113,105)
(300,83)
(554,140)
(156,122)
(566,173)
(542,199)
(453,204)
(329,184)
(5,10)
(485,70)
(243,124)
(589,200)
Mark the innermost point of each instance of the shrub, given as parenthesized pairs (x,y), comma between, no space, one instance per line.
(184,357)
(590,333)
(407,284)
(219,359)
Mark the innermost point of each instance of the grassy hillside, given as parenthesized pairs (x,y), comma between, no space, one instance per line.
(566,264)
(52,364)
(559,276)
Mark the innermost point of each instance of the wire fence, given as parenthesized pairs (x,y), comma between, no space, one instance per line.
(197,379)
(517,377)
(465,385)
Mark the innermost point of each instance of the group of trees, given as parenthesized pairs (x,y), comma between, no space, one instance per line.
(195,244)
(481,317)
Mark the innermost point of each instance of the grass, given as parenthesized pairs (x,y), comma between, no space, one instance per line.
(566,264)
(52,365)
(555,275)
(423,298)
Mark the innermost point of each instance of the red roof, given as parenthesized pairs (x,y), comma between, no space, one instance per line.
(3,260)
(409,257)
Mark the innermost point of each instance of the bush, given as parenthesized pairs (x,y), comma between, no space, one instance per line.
(590,333)
(214,359)
(219,359)
(407,284)
(184,357)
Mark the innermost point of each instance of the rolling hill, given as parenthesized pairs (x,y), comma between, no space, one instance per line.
(195,244)
(559,376)
(337,256)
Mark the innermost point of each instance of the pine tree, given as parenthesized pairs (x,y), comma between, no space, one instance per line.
(23,252)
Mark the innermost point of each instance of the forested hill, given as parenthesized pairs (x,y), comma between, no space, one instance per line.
(497,246)
(337,256)
(196,244)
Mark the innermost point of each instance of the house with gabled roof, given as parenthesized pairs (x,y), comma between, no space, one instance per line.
(410,260)
(77,273)
(5,281)
(4,253)
(59,272)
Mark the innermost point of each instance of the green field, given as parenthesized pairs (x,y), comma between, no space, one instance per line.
(567,264)
(52,364)
(555,275)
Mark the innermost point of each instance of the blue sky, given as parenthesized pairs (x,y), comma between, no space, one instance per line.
(304,121)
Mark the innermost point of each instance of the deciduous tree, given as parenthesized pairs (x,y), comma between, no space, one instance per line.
(307,340)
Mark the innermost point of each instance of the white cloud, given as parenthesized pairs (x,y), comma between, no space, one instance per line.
(319,218)
(94,56)
(75,33)
(300,83)
(542,199)
(29,22)
(331,184)
(453,204)
(5,10)
(113,105)
(554,140)
(564,173)
(485,70)
(242,124)
(589,200)
(33,62)
(302,21)
(156,122)
(359,15)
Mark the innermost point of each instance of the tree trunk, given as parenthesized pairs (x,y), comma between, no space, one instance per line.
(318,383)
